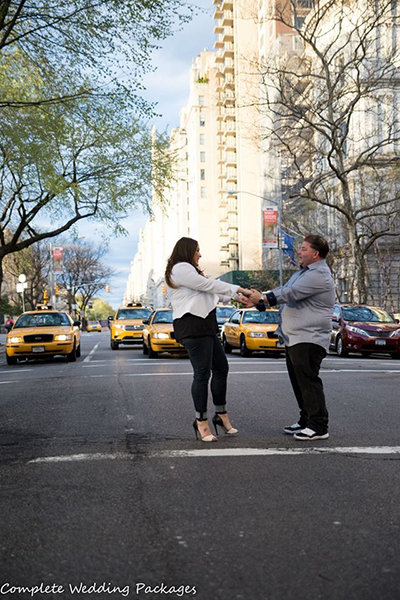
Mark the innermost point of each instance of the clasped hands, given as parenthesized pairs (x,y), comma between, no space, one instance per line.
(249,297)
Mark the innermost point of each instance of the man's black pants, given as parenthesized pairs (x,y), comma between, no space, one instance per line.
(303,363)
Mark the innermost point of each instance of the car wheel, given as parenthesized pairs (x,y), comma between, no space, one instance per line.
(152,353)
(114,345)
(227,347)
(340,351)
(78,350)
(145,349)
(11,360)
(244,351)
(71,357)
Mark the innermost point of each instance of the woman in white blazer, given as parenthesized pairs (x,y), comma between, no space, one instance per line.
(194,298)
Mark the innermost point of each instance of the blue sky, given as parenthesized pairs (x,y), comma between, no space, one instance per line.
(168,86)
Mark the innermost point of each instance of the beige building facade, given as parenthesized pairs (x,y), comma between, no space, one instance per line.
(217,151)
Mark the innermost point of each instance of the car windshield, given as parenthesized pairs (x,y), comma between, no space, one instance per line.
(368,315)
(124,314)
(42,320)
(269,316)
(224,312)
(163,316)
(93,322)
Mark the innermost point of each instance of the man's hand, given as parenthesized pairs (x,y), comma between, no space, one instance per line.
(246,302)
(244,292)
(255,296)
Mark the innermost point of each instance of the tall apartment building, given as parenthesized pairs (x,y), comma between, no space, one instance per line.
(217,151)
(239,164)
(191,208)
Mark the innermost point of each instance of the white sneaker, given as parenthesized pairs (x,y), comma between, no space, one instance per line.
(309,434)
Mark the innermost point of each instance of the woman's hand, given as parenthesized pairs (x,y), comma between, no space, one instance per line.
(244,291)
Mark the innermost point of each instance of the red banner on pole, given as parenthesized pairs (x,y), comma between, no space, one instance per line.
(270,228)
(57,257)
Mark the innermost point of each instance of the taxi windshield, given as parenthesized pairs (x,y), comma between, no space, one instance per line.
(368,315)
(125,314)
(261,317)
(224,312)
(53,319)
(163,316)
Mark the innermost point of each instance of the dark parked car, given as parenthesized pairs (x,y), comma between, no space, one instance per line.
(365,329)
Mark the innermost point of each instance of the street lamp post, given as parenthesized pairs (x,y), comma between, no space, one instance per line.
(278,205)
(21,287)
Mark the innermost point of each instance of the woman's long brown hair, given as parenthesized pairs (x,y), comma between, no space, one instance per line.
(183,251)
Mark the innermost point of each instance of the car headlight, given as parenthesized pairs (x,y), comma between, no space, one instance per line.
(357,330)
(62,337)
(257,334)
(15,340)
(161,336)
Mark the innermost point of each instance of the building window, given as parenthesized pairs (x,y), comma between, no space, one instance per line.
(203,192)
(201,100)
(202,121)
(298,22)
(202,174)
(202,157)
(202,139)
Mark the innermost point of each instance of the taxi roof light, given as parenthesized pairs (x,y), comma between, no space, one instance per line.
(44,307)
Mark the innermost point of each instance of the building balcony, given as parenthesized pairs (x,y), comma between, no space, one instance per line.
(228,35)
(226,5)
(227,50)
(229,65)
(227,19)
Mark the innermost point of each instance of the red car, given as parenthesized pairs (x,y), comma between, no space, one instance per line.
(365,329)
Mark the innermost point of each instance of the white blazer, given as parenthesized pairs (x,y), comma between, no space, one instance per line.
(196,294)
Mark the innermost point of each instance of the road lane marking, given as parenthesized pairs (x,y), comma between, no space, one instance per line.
(80,457)
(222,452)
(89,356)
(16,372)
(275,451)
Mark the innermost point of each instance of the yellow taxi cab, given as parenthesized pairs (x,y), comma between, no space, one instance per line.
(158,334)
(252,331)
(93,326)
(43,333)
(126,326)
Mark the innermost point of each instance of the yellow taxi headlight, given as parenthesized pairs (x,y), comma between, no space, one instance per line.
(15,340)
(62,337)
(161,336)
(257,334)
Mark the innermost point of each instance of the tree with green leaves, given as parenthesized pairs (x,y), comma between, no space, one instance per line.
(73,144)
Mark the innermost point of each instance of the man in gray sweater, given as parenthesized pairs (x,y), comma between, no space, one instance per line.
(307,302)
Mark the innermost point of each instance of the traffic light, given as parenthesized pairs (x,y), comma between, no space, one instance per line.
(107,288)
(90,304)
(56,289)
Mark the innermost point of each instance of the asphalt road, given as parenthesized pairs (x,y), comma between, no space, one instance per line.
(103,484)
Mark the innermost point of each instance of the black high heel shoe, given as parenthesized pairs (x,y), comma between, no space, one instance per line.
(218,421)
(205,438)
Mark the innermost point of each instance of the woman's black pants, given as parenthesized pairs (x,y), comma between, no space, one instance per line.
(207,357)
